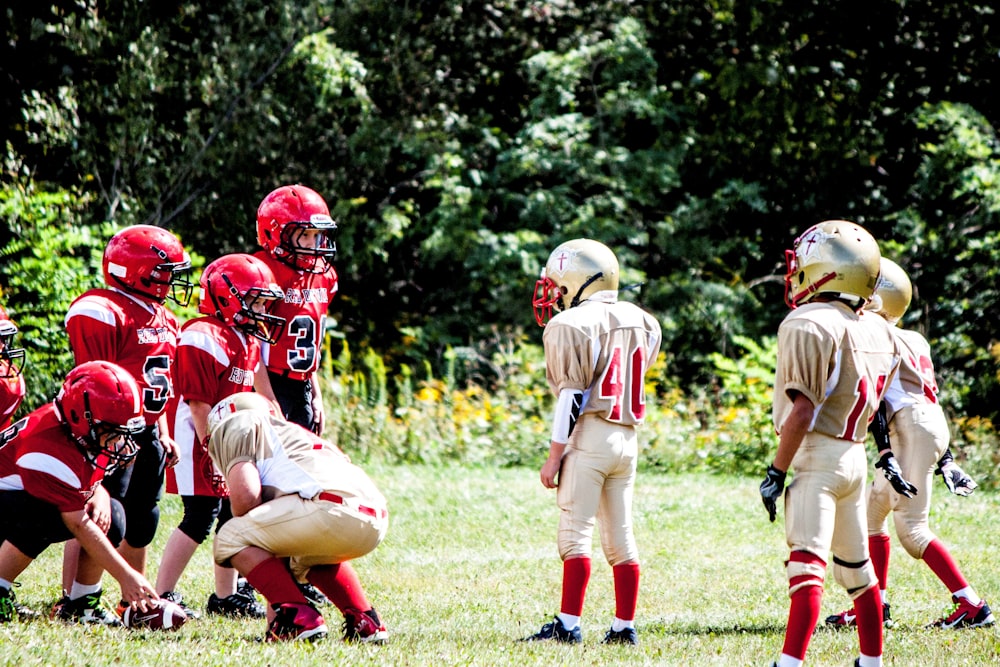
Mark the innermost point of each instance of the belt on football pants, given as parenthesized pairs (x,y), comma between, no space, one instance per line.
(370,511)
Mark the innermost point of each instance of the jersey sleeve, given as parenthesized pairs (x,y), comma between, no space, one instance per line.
(804,352)
(92,326)
(47,478)
(569,358)
(244,437)
(201,361)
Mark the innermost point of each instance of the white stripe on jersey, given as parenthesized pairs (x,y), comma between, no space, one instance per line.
(50,465)
(11,483)
(94,309)
(206,343)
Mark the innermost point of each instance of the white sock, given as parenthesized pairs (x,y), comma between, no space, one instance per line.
(618,624)
(79,590)
(969,593)
(6,584)
(869,661)
(788,661)
(569,622)
(884,595)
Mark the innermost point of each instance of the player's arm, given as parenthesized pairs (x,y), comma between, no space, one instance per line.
(879,428)
(793,432)
(262,385)
(136,590)
(171,453)
(319,417)
(199,416)
(244,485)
(567,412)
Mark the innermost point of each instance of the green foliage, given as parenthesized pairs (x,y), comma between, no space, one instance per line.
(49,261)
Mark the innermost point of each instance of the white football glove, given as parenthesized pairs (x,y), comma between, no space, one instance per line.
(956,479)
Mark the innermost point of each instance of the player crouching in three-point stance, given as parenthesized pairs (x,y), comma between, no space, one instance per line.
(51,466)
(300,510)
(834,364)
(918,430)
(597,351)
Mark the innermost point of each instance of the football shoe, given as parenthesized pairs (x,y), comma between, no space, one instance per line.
(556,631)
(966,615)
(296,622)
(86,610)
(848,619)
(364,627)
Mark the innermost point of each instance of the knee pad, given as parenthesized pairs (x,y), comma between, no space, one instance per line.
(804,569)
(199,515)
(116,531)
(140,527)
(879,506)
(856,578)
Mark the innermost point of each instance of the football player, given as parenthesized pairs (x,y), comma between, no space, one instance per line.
(597,351)
(301,511)
(294,230)
(11,364)
(51,466)
(126,322)
(218,354)
(834,364)
(918,431)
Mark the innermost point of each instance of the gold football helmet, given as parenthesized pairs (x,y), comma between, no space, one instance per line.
(892,292)
(835,257)
(576,271)
(245,400)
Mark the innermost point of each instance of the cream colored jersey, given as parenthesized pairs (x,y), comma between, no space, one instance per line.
(840,360)
(289,459)
(915,382)
(603,350)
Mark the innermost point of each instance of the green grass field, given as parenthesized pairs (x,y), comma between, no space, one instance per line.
(470,565)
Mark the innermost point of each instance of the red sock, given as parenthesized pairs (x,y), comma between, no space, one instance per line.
(939,559)
(340,583)
(275,582)
(878,547)
(576,576)
(868,607)
(626,589)
(803,614)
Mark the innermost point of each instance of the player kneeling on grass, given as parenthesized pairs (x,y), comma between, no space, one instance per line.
(301,510)
(51,466)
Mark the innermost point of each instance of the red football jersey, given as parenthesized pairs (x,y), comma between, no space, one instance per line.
(37,456)
(138,335)
(213,361)
(11,394)
(296,354)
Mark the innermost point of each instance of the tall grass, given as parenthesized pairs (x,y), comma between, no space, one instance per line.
(469,567)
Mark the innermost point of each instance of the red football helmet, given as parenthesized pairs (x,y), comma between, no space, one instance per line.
(232,286)
(282,219)
(11,358)
(148,261)
(100,399)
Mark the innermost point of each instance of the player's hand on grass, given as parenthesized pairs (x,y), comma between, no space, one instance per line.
(771,489)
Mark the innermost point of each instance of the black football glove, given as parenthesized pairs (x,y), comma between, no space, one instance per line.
(893,473)
(956,479)
(771,489)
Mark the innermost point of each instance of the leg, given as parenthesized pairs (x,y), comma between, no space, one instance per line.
(199,515)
